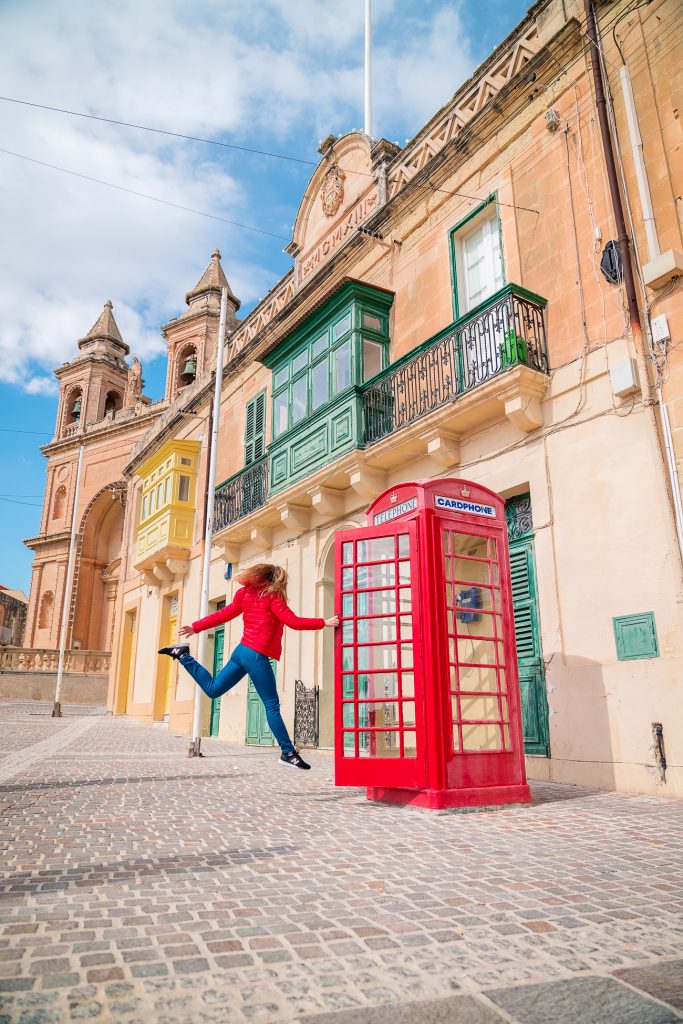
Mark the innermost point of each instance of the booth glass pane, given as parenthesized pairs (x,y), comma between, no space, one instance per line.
(476,678)
(504,708)
(407,684)
(347,552)
(482,737)
(410,744)
(479,709)
(347,605)
(381,575)
(381,656)
(378,685)
(469,570)
(408,712)
(493,549)
(456,738)
(347,686)
(348,715)
(478,652)
(406,622)
(379,744)
(466,544)
(347,631)
(378,714)
(347,579)
(404,572)
(403,545)
(379,549)
(407,655)
(506,736)
(383,602)
(347,658)
(349,744)
(374,630)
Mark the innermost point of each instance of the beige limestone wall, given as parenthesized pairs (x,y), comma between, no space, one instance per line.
(41,686)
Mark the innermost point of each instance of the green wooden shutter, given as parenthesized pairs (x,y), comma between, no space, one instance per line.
(523,602)
(255,429)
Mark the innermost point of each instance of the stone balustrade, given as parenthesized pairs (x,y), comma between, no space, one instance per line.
(27,659)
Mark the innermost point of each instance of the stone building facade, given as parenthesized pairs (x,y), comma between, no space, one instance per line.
(454,308)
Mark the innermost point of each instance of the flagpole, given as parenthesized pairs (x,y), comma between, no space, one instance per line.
(57,707)
(368,69)
(195,746)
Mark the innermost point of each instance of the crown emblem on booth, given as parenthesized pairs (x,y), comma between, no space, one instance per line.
(465,491)
(393,497)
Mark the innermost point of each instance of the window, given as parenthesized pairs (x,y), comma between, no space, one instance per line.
(478,259)
(330,356)
(255,429)
(183,488)
(342,366)
(372,358)
(320,388)
(299,395)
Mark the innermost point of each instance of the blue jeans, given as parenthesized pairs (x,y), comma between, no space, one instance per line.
(244,661)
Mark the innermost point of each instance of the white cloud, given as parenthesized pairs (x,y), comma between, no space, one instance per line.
(270,74)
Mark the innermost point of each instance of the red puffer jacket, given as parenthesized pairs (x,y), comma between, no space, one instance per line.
(265,616)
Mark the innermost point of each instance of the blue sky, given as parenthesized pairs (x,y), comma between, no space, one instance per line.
(268,74)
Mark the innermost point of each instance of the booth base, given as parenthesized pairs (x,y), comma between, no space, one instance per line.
(442,799)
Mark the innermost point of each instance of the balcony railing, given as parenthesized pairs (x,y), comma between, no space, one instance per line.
(241,494)
(39,659)
(507,331)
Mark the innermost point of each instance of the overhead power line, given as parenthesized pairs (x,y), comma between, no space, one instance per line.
(143,195)
(159,131)
(13,430)
(28,504)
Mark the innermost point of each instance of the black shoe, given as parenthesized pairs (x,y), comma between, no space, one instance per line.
(294,760)
(175,652)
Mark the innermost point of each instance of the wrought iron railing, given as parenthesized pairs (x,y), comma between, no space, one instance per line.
(306,715)
(506,331)
(241,495)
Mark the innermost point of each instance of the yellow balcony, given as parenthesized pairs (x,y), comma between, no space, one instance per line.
(165,529)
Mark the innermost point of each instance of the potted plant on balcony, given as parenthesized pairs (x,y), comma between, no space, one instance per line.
(513,349)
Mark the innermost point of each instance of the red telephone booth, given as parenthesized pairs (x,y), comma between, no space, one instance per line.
(427,707)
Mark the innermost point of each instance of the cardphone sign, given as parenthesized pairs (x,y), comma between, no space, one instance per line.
(459,505)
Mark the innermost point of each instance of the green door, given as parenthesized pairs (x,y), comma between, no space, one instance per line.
(258,732)
(527,627)
(218,647)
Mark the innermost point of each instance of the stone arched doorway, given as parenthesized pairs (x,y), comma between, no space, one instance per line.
(97,570)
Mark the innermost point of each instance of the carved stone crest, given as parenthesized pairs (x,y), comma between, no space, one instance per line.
(332,190)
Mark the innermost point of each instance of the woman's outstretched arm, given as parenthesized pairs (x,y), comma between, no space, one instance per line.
(231,611)
(284,613)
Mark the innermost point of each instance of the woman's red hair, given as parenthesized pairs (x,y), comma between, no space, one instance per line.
(270,579)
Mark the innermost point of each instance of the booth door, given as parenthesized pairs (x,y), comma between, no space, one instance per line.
(484,700)
(379,718)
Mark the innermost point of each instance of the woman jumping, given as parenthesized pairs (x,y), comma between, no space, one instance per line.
(262,600)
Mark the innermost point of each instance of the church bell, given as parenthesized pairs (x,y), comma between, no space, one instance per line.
(76,411)
(190,368)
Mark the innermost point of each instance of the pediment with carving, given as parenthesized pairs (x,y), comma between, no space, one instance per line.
(341,194)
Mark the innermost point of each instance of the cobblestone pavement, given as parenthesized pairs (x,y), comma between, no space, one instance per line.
(138,885)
